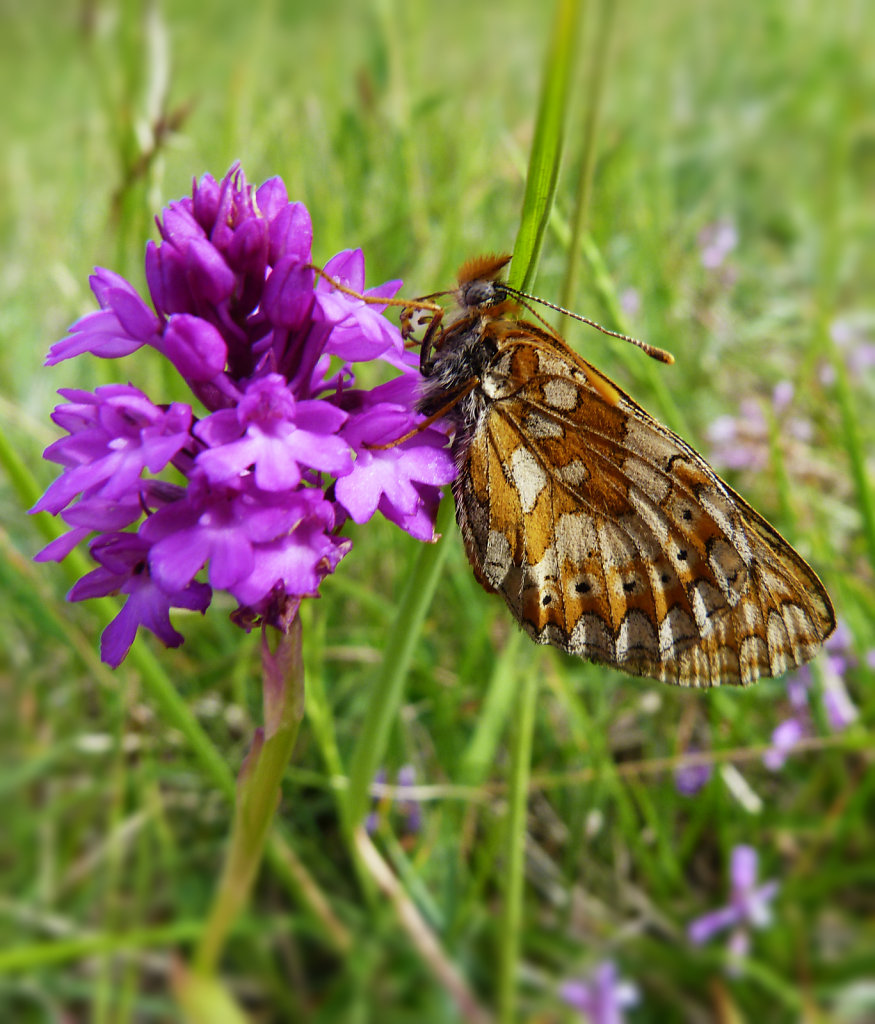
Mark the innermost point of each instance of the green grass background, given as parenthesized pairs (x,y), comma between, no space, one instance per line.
(407,129)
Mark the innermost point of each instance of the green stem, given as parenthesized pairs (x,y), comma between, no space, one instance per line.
(68,949)
(258,790)
(498,707)
(512,912)
(594,90)
(545,158)
(389,688)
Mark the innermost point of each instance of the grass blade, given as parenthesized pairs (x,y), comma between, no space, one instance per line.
(389,689)
(515,848)
(546,156)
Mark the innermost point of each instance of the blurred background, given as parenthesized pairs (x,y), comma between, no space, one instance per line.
(731,220)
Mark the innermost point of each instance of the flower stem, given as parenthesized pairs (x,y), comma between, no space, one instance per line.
(258,790)
(511,926)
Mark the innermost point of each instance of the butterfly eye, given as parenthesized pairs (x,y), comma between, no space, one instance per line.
(482,293)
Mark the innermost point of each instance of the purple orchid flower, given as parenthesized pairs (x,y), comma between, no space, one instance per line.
(253,483)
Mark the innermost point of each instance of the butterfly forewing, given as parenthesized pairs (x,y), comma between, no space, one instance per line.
(606,534)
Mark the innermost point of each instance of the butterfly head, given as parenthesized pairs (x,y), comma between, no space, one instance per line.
(479,286)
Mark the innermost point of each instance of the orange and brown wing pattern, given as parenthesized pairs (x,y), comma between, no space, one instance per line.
(611,538)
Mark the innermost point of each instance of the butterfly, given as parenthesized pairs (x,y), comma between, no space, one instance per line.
(606,534)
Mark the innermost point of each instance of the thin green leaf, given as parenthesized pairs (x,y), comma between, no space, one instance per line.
(511,926)
(388,691)
(546,155)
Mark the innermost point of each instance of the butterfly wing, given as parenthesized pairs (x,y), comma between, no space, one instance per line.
(611,538)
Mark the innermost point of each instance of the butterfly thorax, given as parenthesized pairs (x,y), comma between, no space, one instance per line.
(454,360)
(457,363)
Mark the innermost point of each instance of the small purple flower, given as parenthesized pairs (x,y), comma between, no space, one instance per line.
(782,396)
(788,733)
(744,441)
(602,998)
(840,709)
(123,569)
(785,738)
(749,906)
(741,442)
(837,704)
(255,485)
(716,242)
(690,778)
(407,808)
(839,648)
(852,340)
(630,302)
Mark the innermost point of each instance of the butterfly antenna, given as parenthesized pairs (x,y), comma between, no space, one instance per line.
(653,351)
(424,302)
